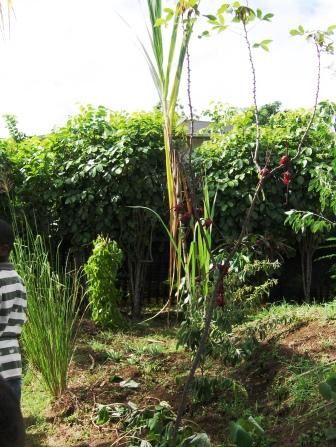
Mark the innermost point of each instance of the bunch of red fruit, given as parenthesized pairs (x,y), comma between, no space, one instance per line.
(286,177)
(220,294)
(185,216)
(181,210)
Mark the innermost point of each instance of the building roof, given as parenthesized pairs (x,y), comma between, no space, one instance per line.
(198,125)
(201,125)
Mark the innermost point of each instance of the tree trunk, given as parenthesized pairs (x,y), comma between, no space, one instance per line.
(136,274)
(307,248)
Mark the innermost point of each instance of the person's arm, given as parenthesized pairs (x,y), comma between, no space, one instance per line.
(12,305)
(4,312)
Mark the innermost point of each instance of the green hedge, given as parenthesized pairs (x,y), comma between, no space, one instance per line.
(231,173)
(81,180)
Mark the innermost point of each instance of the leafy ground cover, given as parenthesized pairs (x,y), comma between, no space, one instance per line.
(278,386)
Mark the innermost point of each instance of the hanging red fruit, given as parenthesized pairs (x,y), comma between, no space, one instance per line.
(220,299)
(284,160)
(286,178)
(264,172)
(207,223)
(179,208)
(220,295)
(223,268)
(185,218)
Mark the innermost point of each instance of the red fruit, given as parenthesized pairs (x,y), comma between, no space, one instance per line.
(284,160)
(223,268)
(185,218)
(220,299)
(286,178)
(207,223)
(179,208)
(264,172)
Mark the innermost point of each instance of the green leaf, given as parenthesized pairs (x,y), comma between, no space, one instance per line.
(268,17)
(300,180)
(204,34)
(264,44)
(331,381)
(240,436)
(116,379)
(198,440)
(169,11)
(159,22)
(325,390)
(330,434)
(331,28)
(259,13)
(301,29)
(223,8)
(294,32)
(252,420)
(221,19)
(211,17)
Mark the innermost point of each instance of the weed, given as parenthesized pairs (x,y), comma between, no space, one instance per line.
(310,438)
(150,426)
(151,367)
(330,310)
(106,352)
(151,349)
(328,344)
(205,389)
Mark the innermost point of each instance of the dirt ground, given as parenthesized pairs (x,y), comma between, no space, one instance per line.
(271,378)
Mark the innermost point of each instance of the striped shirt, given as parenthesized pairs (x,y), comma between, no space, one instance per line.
(13,305)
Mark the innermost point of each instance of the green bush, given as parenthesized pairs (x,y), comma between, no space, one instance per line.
(101,271)
(231,174)
(81,180)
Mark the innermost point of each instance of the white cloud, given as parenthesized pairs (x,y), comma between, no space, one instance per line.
(68,52)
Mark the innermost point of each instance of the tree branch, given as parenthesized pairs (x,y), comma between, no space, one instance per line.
(254,91)
(317,93)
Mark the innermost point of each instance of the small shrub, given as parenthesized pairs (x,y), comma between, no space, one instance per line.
(151,426)
(101,271)
(244,290)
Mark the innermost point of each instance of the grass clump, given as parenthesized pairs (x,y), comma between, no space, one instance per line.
(54,293)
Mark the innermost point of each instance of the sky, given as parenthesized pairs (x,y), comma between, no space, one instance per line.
(60,54)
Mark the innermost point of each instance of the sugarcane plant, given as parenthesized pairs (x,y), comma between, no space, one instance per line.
(166,66)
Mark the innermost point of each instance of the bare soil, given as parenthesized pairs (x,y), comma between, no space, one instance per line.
(70,422)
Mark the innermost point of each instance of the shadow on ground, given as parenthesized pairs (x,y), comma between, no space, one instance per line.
(34,439)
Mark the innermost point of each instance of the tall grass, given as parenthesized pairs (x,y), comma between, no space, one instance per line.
(53,292)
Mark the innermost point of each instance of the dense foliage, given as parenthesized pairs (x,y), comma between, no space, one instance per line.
(82,180)
(230,172)
(101,270)
(226,160)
